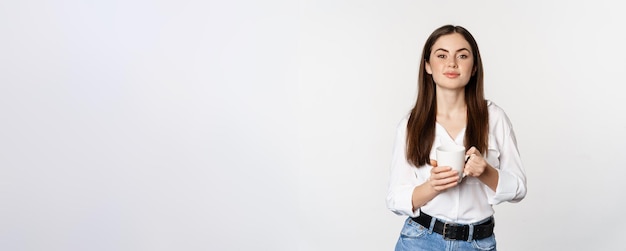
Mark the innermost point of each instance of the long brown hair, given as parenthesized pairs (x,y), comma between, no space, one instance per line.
(421,125)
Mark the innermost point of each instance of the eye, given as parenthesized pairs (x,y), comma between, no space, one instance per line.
(442,56)
(463,56)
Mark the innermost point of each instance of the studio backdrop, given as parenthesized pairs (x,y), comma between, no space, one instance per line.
(249,125)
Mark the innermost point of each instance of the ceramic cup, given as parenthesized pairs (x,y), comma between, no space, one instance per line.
(452,156)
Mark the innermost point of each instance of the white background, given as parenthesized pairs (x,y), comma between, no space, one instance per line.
(194,125)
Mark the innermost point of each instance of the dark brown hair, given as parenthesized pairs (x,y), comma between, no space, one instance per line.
(421,125)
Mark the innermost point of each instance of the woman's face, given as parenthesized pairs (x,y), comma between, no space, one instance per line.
(451,62)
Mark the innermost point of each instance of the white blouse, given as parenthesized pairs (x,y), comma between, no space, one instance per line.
(471,200)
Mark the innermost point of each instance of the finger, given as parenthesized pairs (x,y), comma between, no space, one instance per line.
(433,162)
(446,183)
(440,169)
(472,150)
(467,169)
(472,169)
(472,157)
(444,175)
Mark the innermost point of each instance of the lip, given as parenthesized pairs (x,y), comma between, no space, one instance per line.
(451,74)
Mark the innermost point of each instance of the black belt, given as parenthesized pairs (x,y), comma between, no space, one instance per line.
(453,231)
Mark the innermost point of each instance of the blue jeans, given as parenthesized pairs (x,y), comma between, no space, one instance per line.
(416,237)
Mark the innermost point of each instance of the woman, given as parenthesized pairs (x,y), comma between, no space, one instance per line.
(446,212)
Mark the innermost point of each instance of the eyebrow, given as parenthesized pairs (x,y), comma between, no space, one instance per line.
(462,49)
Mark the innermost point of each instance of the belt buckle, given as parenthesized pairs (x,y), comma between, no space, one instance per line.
(446,232)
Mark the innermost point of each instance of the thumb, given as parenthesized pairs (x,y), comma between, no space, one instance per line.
(433,163)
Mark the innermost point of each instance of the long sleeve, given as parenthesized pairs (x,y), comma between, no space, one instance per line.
(512,177)
(403,179)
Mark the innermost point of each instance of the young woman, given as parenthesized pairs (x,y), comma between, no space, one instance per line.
(445,212)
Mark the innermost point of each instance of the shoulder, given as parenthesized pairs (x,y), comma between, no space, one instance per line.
(494,109)
(404,120)
(497,115)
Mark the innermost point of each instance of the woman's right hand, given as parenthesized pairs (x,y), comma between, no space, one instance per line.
(442,177)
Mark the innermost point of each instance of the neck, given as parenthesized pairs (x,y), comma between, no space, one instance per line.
(451,103)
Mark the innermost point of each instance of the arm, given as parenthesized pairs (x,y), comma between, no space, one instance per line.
(441,179)
(504,173)
(478,167)
(403,178)
(407,192)
(512,176)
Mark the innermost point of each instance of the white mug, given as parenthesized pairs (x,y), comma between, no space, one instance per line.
(452,156)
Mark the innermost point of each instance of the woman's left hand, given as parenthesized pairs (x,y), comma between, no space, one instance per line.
(476,164)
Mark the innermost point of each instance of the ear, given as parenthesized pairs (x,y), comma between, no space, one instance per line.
(428,69)
(474,70)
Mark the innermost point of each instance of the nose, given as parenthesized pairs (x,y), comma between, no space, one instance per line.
(452,62)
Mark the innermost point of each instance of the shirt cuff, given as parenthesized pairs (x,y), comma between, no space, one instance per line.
(402,203)
(506,190)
